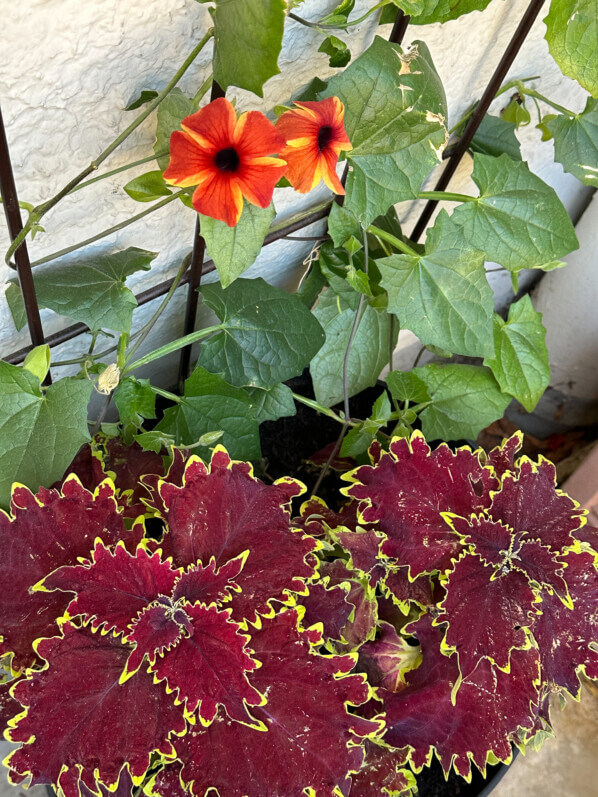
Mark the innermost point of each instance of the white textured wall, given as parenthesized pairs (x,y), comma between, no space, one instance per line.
(68,68)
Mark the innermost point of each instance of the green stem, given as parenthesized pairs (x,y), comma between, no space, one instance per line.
(120,169)
(203,90)
(446,196)
(325,26)
(314,405)
(39,211)
(109,231)
(150,324)
(169,348)
(555,105)
(121,350)
(422,406)
(299,216)
(167,394)
(511,84)
(393,241)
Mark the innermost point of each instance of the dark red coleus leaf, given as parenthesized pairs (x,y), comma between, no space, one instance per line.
(338,463)
(564,635)
(386,659)
(405,592)
(486,612)
(363,547)
(317,519)
(329,607)
(484,719)
(125,464)
(46,532)
(309,732)
(223,512)
(84,725)
(381,773)
(502,458)
(209,666)
(9,707)
(115,586)
(497,545)
(208,584)
(529,502)
(589,535)
(157,629)
(362,622)
(124,788)
(410,488)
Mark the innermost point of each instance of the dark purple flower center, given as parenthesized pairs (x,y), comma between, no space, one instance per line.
(227,160)
(324,137)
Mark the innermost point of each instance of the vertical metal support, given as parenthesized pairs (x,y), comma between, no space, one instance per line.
(195,270)
(399,28)
(10,200)
(493,86)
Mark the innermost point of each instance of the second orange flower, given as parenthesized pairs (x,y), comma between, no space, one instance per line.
(315,136)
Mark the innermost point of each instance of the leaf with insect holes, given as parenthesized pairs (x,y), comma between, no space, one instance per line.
(71,521)
(97,724)
(408,491)
(485,716)
(312,740)
(487,611)
(223,512)
(267,335)
(396,127)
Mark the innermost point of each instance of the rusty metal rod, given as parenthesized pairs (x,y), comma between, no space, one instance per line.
(68,333)
(10,200)
(195,273)
(493,86)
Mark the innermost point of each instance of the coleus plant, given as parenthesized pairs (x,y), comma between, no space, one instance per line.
(385,112)
(247,652)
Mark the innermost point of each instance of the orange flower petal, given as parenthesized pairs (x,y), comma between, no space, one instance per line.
(187,161)
(328,162)
(220,198)
(258,177)
(214,123)
(302,166)
(315,136)
(256,136)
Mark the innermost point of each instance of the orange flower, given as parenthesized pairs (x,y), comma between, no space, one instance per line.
(227,159)
(315,136)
